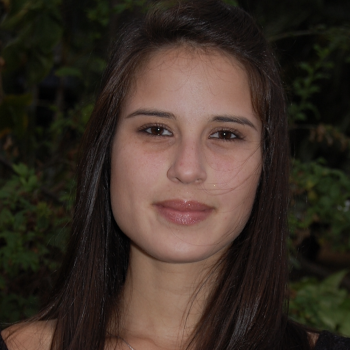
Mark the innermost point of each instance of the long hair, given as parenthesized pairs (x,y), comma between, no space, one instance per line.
(246,310)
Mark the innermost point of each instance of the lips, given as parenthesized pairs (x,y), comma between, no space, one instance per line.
(182,212)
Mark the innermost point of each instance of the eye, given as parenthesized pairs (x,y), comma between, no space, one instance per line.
(156,130)
(227,135)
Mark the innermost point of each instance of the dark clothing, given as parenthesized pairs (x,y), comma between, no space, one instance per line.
(326,341)
(329,341)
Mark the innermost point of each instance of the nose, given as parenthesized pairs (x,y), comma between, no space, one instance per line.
(188,164)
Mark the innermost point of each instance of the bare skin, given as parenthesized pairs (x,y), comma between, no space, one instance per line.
(161,307)
(33,336)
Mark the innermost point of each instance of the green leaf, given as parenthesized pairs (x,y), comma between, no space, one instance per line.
(13,113)
(332,282)
(68,72)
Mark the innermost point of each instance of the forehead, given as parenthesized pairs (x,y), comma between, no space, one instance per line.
(189,59)
(206,78)
(186,54)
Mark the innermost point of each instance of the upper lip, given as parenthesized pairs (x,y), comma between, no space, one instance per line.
(184,205)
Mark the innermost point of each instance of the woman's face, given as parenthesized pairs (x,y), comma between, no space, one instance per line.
(186,157)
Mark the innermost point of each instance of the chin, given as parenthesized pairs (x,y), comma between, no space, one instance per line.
(183,254)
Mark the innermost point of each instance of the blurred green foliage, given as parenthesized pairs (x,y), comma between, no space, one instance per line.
(52,55)
(327,203)
(322,304)
(32,235)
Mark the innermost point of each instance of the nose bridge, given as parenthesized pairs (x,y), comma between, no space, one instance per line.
(188,163)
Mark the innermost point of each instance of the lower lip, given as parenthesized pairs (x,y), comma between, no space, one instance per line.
(183,217)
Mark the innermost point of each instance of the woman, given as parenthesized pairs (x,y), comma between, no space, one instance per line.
(178,237)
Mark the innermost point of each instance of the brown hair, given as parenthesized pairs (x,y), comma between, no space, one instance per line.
(247,308)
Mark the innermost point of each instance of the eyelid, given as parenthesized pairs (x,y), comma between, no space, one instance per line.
(239,136)
(144,127)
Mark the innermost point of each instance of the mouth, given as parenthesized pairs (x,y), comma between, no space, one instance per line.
(183,212)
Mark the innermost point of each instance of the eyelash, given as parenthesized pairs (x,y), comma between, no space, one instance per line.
(238,135)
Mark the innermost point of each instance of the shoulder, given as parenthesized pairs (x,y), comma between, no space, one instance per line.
(313,337)
(329,341)
(29,336)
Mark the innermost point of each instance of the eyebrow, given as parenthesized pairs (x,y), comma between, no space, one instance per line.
(220,118)
(234,119)
(152,112)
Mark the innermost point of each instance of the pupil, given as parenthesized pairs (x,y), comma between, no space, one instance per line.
(225,135)
(157,131)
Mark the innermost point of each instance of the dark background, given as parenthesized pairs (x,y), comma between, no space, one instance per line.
(53,53)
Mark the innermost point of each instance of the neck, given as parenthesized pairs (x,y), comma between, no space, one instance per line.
(163,302)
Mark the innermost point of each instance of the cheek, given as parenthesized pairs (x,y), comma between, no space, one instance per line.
(234,183)
(238,172)
(133,175)
(132,163)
